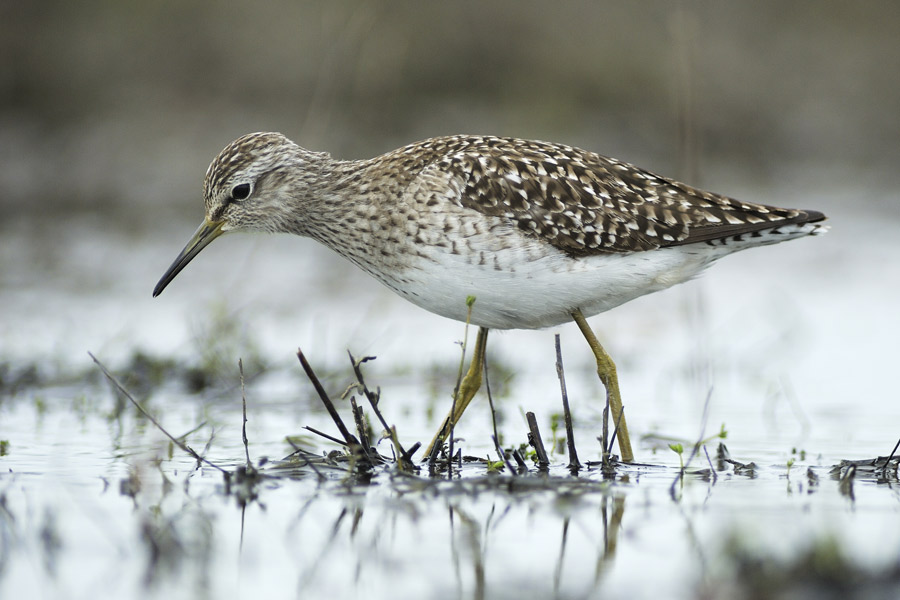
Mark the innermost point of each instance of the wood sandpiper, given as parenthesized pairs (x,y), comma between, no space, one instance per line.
(538,233)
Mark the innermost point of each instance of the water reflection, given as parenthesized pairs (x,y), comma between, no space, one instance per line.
(474,538)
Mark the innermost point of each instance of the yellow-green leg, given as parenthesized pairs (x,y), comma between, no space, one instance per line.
(468,387)
(606,369)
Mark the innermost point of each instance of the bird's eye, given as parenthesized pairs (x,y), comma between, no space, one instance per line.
(240,191)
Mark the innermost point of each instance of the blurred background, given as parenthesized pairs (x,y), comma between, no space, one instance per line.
(108,107)
(110,113)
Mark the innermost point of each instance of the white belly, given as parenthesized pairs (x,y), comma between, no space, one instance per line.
(543,291)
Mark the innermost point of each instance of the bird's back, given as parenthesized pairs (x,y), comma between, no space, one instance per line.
(581,202)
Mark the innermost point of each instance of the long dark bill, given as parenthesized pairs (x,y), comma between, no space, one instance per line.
(205,234)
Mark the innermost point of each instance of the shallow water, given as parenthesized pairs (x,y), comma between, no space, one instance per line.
(793,345)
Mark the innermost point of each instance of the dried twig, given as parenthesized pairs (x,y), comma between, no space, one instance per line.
(244,408)
(435,450)
(349,438)
(330,438)
(574,465)
(534,438)
(520,462)
(360,421)
(612,440)
(604,439)
(412,449)
(404,460)
(121,389)
(887,463)
(496,436)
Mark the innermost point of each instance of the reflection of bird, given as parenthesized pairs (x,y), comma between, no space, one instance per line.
(539,234)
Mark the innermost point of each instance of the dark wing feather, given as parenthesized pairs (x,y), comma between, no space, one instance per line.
(584,203)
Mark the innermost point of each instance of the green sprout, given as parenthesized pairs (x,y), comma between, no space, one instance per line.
(722,434)
(679,450)
(495,466)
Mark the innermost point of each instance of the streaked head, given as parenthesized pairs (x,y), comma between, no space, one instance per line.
(248,187)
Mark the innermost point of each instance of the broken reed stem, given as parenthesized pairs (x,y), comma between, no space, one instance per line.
(520,462)
(887,463)
(184,447)
(360,423)
(330,438)
(435,450)
(574,465)
(404,460)
(349,438)
(496,436)
(605,447)
(612,440)
(244,409)
(412,450)
(356,449)
(534,438)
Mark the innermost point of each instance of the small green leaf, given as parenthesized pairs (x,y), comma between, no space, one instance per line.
(495,466)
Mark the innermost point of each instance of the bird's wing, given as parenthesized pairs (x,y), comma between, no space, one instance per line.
(584,203)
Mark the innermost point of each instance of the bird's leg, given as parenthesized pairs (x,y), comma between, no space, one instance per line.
(468,387)
(606,369)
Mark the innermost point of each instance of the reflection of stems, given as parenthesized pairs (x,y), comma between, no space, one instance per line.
(611,526)
(557,572)
(475,550)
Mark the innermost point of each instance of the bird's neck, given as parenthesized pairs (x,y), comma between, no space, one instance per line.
(341,208)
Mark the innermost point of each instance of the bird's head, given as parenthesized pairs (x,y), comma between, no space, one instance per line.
(252,185)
